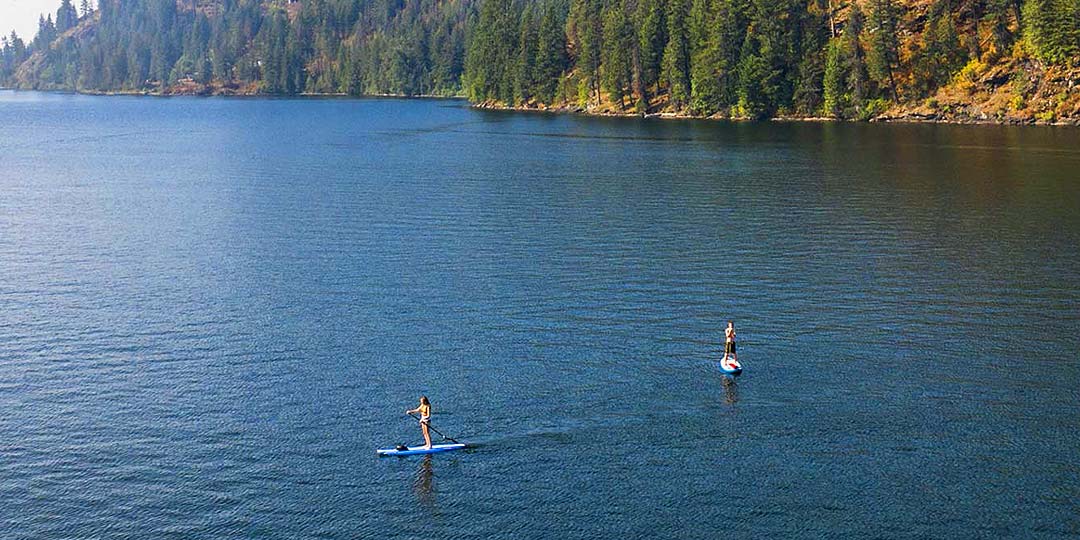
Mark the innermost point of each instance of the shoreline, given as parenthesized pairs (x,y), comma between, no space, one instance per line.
(904,117)
(208,94)
(909,117)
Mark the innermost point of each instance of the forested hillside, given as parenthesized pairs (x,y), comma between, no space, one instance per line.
(983,60)
(409,47)
(1003,60)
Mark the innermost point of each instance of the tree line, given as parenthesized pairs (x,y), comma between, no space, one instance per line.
(751,58)
(409,47)
(744,58)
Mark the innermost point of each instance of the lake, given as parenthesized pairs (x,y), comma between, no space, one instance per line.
(213,311)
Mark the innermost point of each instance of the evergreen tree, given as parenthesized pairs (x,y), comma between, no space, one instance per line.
(883,53)
(525,65)
(66,17)
(810,45)
(583,35)
(46,33)
(940,54)
(835,89)
(676,60)
(858,80)
(705,59)
(550,55)
(1052,30)
(488,62)
(649,20)
(618,41)
(756,58)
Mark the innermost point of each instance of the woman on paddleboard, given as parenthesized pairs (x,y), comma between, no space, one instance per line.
(425,419)
(729,342)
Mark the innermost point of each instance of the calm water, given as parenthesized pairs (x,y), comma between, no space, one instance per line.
(213,311)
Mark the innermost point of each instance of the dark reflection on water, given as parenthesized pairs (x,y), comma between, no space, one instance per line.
(424,483)
(213,311)
(731,390)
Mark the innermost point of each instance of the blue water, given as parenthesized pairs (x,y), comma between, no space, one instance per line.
(213,311)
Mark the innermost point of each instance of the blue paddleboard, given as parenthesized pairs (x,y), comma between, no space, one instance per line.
(416,450)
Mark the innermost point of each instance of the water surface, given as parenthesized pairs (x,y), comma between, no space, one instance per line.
(212,311)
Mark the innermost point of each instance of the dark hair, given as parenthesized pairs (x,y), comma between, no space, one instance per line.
(732,323)
(424,401)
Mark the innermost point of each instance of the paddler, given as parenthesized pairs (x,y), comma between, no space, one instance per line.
(729,342)
(424,410)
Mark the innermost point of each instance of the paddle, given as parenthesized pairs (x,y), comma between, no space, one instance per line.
(436,431)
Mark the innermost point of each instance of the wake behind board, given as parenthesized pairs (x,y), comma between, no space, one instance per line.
(416,450)
(730,367)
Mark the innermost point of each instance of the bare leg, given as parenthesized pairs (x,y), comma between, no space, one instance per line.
(427,436)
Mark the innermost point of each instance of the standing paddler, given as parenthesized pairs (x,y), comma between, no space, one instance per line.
(729,342)
(425,419)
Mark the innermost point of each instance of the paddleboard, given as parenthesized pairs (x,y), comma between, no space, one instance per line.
(416,450)
(731,367)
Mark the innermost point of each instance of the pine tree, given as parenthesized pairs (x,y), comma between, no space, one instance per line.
(940,53)
(583,33)
(858,80)
(616,54)
(883,54)
(810,49)
(550,55)
(66,17)
(1052,30)
(676,61)
(835,91)
(765,61)
(649,20)
(526,58)
(489,60)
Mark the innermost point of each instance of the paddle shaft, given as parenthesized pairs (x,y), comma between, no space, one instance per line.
(435,430)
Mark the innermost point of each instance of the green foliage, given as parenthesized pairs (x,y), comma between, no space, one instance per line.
(525,67)
(1052,30)
(618,41)
(940,53)
(883,51)
(66,17)
(873,108)
(845,80)
(355,46)
(752,58)
(491,54)
(836,64)
(675,65)
(808,96)
(650,24)
(550,55)
(12,53)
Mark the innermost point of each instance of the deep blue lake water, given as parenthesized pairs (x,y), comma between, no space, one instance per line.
(213,311)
